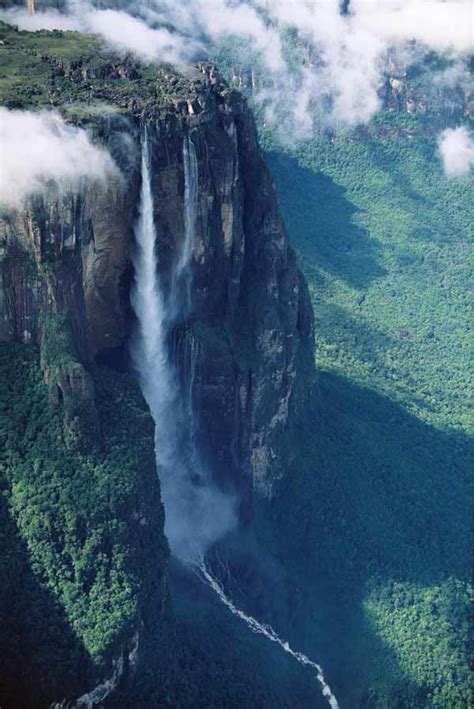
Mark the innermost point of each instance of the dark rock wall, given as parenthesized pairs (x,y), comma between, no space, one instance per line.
(251,317)
(251,321)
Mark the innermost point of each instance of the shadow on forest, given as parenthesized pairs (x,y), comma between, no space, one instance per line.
(403,481)
(328,238)
(41,659)
(378,494)
(431,211)
(374,495)
(335,325)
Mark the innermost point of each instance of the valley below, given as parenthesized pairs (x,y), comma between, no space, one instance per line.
(235,436)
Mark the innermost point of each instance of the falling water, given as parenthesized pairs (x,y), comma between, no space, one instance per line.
(182,274)
(150,353)
(196,512)
(186,354)
(265,630)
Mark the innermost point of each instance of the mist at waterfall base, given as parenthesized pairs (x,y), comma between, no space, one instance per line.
(197,513)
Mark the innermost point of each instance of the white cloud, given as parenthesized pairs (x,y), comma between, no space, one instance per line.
(438,24)
(456,148)
(217,19)
(348,51)
(130,34)
(37,148)
(50,20)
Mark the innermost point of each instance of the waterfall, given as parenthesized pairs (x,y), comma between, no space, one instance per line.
(266,630)
(186,354)
(197,513)
(149,352)
(182,274)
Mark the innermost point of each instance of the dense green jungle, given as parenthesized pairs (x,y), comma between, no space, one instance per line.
(384,241)
(362,560)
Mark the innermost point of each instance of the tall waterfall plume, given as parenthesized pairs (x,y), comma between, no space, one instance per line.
(196,512)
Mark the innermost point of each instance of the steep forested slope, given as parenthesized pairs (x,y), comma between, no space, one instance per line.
(78,529)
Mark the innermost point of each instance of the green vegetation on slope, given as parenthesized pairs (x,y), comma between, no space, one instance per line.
(75,73)
(73,512)
(427,630)
(385,244)
(376,514)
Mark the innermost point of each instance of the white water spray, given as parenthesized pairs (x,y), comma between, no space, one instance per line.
(263,629)
(197,513)
(149,352)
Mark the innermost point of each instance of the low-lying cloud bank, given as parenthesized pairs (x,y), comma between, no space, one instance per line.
(346,52)
(456,148)
(37,148)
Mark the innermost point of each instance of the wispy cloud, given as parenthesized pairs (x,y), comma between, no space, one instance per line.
(347,52)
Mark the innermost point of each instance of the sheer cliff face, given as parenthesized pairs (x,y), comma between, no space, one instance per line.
(65,278)
(250,322)
(69,254)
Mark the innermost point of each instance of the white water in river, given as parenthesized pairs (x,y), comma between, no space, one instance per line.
(265,630)
(196,512)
